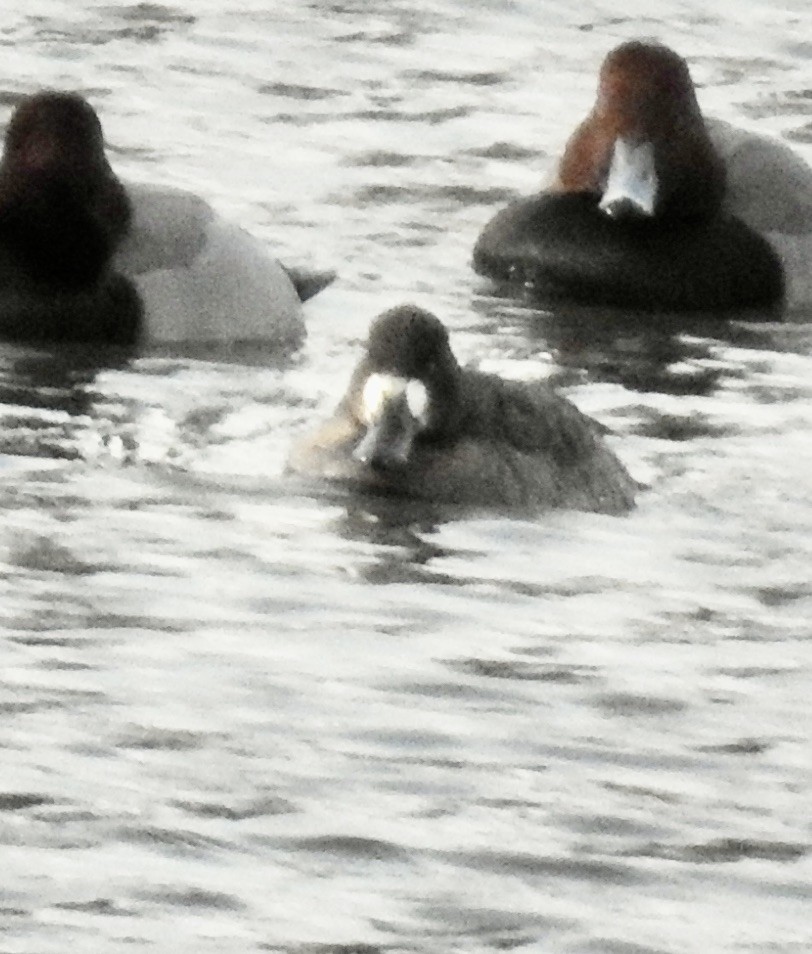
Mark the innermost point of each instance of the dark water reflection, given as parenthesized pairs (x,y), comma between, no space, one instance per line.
(399,538)
(48,398)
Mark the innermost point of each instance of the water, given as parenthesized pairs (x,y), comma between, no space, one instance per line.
(245,714)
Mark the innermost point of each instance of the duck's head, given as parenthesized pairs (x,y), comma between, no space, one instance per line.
(644,148)
(54,130)
(406,389)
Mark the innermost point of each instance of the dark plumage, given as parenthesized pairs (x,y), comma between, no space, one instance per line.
(62,209)
(63,213)
(459,436)
(635,213)
(562,247)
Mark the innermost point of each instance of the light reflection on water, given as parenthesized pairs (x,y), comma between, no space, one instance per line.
(247,713)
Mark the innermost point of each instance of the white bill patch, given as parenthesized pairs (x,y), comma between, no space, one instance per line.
(417,400)
(631,186)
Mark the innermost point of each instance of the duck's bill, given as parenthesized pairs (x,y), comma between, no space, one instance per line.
(392,408)
(387,443)
(631,185)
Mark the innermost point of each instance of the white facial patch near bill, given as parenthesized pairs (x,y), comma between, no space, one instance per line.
(417,400)
(382,390)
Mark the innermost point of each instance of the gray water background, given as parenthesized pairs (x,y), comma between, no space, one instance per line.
(244,714)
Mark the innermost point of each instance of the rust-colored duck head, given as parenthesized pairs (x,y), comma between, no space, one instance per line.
(644,148)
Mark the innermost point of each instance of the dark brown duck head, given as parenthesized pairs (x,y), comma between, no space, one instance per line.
(62,209)
(406,389)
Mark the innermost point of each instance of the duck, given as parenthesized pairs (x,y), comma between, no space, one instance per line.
(86,256)
(653,206)
(413,423)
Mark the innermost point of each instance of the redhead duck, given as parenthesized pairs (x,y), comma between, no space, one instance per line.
(414,423)
(75,241)
(652,206)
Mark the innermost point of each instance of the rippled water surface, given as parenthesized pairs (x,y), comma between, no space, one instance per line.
(245,714)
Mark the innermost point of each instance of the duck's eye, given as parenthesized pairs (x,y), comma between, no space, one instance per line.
(418,401)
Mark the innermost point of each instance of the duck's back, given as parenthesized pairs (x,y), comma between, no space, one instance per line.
(768,185)
(535,448)
(202,278)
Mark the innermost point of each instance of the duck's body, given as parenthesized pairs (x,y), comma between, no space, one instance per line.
(414,423)
(84,257)
(654,207)
(769,187)
(560,246)
(202,278)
